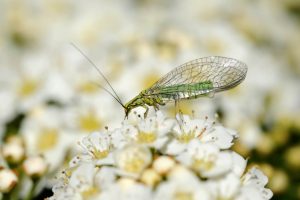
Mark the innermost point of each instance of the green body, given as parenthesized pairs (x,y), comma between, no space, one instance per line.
(148,98)
(191,80)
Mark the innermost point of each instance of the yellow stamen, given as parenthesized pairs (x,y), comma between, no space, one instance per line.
(134,165)
(100,154)
(28,87)
(144,137)
(202,164)
(47,139)
(88,87)
(181,195)
(90,192)
(186,137)
(89,122)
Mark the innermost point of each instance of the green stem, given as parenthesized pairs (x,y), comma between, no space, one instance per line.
(32,190)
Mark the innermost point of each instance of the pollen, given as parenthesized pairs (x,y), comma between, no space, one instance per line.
(144,137)
(28,87)
(47,139)
(88,88)
(134,165)
(133,159)
(100,154)
(186,137)
(89,122)
(181,195)
(90,192)
(202,164)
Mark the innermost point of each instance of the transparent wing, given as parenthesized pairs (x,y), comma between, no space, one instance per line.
(223,73)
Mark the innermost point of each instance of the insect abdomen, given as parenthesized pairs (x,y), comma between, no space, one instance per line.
(186,91)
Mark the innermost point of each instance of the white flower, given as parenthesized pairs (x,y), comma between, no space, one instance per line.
(80,182)
(123,136)
(207,159)
(84,118)
(184,132)
(226,187)
(133,159)
(254,182)
(37,82)
(238,164)
(201,170)
(105,177)
(83,178)
(187,130)
(152,131)
(44,133)
(97,148)
(57,88)
(127,189)
(181,184)
(7,106)
(219,135)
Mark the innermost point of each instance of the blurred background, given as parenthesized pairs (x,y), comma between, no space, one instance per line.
(49,99)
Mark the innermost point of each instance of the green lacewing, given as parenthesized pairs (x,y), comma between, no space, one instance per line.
(196,78)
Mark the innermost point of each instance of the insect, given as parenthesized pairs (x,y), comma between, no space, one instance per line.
(196,78)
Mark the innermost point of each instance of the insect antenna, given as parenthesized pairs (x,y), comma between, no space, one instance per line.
(108,92)
(116,97)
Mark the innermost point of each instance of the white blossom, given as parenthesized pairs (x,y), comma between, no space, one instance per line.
(114,164)
(8,180)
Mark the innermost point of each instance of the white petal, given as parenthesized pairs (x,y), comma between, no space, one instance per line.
(219,136)
(222,165)
(239,164)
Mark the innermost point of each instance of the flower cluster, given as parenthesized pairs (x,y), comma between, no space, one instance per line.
(161,158)
(48,98)
(19,168)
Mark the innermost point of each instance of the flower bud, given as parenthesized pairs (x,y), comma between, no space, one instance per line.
(126,183)
(13,150)
(150,177)
(35,166)
(8,180)
(163,164)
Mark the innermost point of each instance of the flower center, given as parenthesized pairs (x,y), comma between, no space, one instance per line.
(134,165)
(88,87)
(186,137)
(180,195)
(47,139)
(144,137)
(90,192)
(28,87)
(203,164)
(89,122)
(100,154)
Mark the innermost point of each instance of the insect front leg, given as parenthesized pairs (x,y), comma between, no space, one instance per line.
(156,108)
(146,112)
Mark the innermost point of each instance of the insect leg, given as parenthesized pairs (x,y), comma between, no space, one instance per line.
(176,107)
(146,112)
(156,108)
